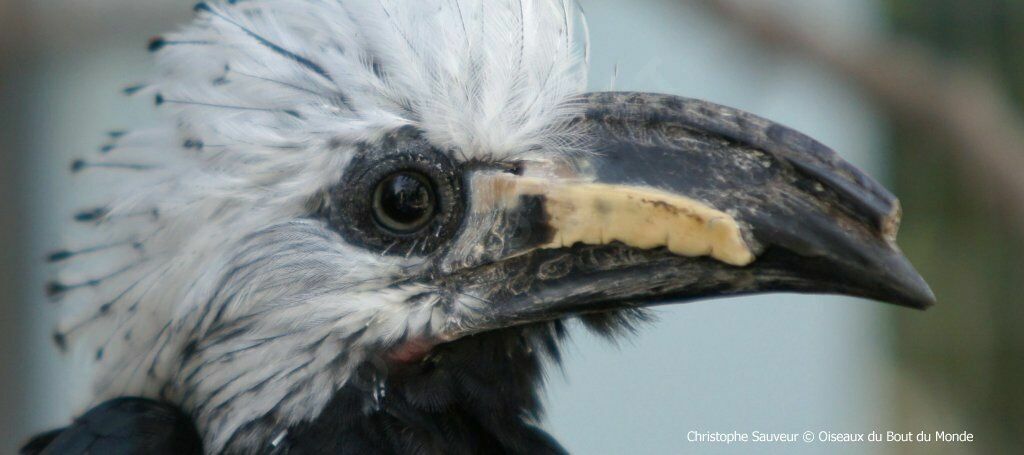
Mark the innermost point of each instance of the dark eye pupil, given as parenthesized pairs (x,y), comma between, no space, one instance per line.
(404,202)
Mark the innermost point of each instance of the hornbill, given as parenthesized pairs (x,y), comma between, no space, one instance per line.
(365,223)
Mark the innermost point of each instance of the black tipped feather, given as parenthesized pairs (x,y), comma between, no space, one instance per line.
(55,289)
(79,165)
(61,341)
(156,43)
(129,91)
(90,215)
(59,256)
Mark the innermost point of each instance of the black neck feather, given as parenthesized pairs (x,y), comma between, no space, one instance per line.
(475,395)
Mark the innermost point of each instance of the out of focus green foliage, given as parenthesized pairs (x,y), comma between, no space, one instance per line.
(971,346)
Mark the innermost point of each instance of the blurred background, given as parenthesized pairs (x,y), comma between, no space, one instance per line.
(924,94)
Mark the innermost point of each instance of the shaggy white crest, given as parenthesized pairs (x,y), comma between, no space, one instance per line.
(228,299)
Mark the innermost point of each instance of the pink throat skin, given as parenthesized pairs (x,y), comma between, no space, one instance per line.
(412,351)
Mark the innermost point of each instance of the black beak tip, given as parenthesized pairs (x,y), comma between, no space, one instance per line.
(920,298)
(907,287)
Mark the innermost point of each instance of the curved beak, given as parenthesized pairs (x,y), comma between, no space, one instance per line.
(677,199)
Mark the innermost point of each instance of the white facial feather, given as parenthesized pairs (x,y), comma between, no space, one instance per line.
(232,303)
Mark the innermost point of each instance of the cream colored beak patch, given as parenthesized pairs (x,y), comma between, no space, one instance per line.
(641,217)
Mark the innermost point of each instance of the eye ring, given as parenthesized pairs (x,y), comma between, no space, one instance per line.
(405,202)
(397,196)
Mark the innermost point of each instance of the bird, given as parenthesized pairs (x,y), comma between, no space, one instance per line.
(362,226)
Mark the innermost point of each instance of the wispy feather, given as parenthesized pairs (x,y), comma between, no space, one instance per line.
(266,101)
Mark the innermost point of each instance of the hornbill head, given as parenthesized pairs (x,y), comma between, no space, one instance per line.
(354,193)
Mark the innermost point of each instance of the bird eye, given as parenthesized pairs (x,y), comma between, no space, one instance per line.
(404,202)
(398,195)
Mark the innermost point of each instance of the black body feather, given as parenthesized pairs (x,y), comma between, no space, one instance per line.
(477,395)
(122,426)
(480,394)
